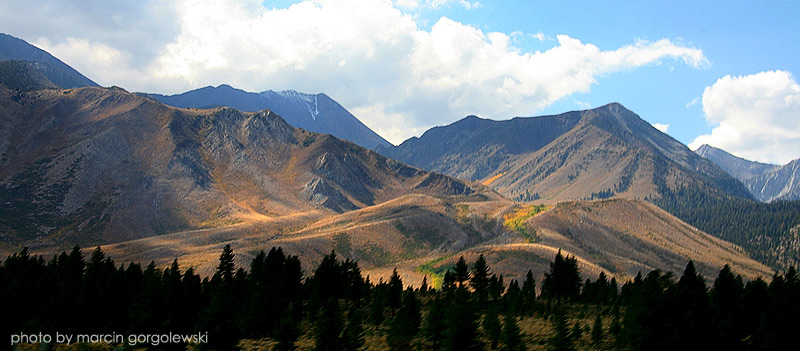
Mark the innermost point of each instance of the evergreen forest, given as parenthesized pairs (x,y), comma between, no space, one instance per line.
(274,305)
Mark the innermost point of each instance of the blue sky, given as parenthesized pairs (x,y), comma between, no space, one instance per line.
(717,72)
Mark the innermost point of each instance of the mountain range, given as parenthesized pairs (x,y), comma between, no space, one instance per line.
(600,153)
(766,182)
(150,181)
(313,112)
(109,165)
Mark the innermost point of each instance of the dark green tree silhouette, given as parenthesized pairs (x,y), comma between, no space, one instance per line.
(479,281)
(692,322)
(562,339)
(226,266)
(597,331)
(288,332)
(511,337)
(434,326)
(563,282)
(492,328)
(529,292)
(395,293)
(461,323)
(461,271)
(405,324)
(328,327)
(353,338)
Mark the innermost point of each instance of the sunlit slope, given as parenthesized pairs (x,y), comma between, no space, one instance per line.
(422,235)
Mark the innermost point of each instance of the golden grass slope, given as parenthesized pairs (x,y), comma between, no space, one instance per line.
(423,235)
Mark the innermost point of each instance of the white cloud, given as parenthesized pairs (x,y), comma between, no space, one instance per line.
(694,102)
(368,55)
(540,36)
(583,105)
(756,116)
(436,4)
(663,127)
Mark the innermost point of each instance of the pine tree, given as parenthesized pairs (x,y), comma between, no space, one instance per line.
(480,281)
(693,322)
(288,332)
(562,338)
(513,299)
(462,271)
(376,306)
(529,292)
(492,327)
(328,328)
(511,338)
(395,293)
(725,305)
(597,331)
(461,321)
(563,282)
(577,331)
(405,325)
(434,326)
(353,334)
(226,267)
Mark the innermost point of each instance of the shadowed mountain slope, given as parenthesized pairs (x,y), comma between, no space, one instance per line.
(96,165)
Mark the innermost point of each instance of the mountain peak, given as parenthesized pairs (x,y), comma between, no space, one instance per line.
(598,153)
(58,72)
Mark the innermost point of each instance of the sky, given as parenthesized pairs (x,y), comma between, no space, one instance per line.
(705,72)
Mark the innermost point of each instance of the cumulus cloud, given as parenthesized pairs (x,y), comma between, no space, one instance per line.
(756,116)
(369,55)
(435,4)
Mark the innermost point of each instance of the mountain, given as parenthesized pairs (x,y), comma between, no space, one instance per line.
(600,153)
(94,165)
(57,72)
(23,76)
(316,113)
(765,181)
(738,167)
(780,184)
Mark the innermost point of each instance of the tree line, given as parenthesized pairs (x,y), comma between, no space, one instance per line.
(763,229)
(337,308)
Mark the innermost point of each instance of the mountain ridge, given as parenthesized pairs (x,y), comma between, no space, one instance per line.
(104,165)
(549,157)
(766,182)
(325,116)
(58,72)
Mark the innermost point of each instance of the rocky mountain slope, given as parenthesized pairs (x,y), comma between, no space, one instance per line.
(93,165)
(765,181)
(600,153)
(57,72)
(313,112)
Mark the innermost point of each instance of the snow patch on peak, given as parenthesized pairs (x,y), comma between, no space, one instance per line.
(308,99)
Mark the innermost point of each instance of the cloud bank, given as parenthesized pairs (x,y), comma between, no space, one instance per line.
(367,54)
(757,116)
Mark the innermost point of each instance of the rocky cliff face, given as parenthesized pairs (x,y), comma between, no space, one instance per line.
(782,183)
(765,182)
